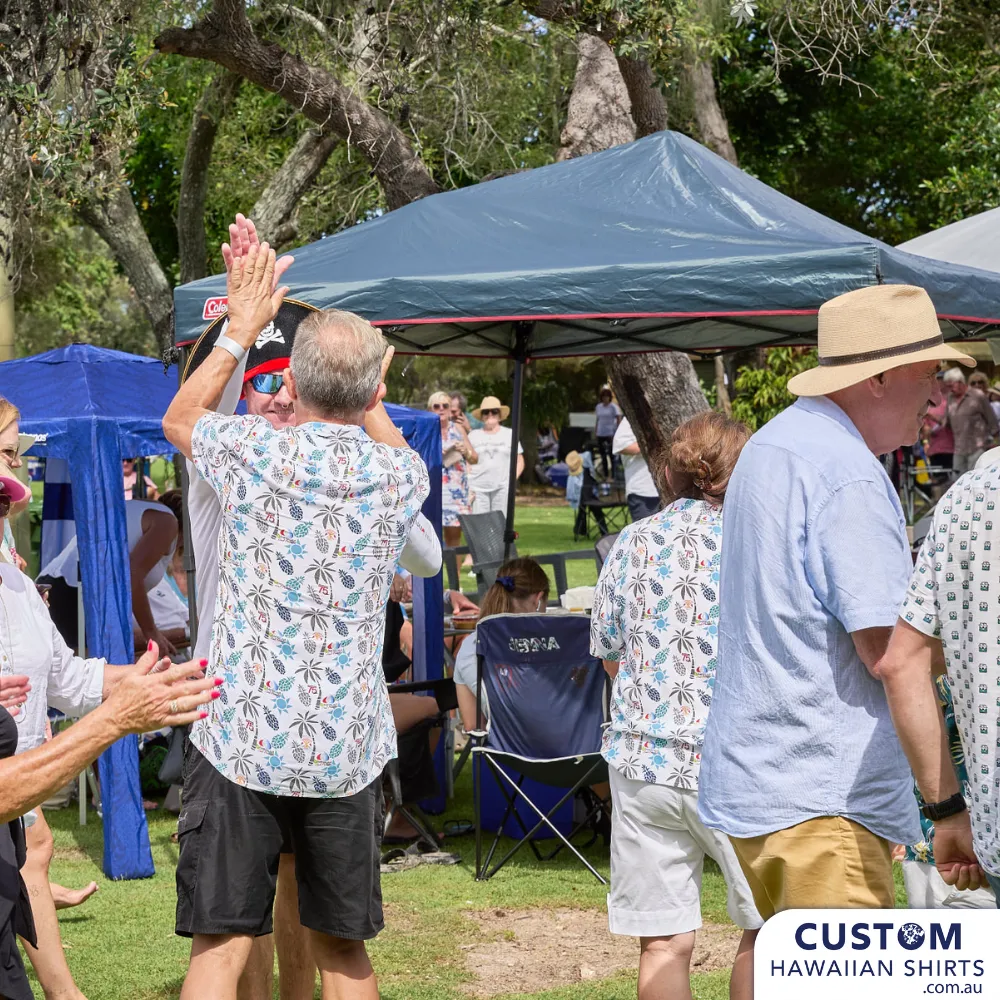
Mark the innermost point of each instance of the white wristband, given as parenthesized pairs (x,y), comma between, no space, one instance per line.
(230,345)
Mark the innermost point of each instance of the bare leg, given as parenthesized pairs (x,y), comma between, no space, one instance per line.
(741,982)
(48,958)
(296,966)
(257,979)
(344,969)
(665,967)
(67,898)
(217,962)
(452,535)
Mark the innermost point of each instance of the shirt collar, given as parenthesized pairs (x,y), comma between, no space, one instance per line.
(823,406)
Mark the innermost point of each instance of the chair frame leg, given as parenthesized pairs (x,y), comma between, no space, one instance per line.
(544,820)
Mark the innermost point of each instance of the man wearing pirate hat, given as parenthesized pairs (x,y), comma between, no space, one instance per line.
(801,765)
(258,381)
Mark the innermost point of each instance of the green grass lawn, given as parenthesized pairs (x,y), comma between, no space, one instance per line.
(121,946)
(550,529)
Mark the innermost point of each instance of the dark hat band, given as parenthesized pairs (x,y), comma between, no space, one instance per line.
(889,352)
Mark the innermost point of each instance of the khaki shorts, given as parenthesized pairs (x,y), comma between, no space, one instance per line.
(825,863)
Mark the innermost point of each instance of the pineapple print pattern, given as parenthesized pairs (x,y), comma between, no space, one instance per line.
(656,613)
(314,520)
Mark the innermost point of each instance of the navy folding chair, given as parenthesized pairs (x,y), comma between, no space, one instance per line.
(546,710)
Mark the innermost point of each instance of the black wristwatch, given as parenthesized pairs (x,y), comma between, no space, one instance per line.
(951,806)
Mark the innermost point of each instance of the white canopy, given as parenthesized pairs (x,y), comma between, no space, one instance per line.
(973,242)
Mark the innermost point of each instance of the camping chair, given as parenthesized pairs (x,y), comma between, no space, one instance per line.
(484,533)
(602,548)
(546,710)
(609,511)
(447,701)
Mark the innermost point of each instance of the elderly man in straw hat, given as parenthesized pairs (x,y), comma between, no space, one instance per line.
(801,765)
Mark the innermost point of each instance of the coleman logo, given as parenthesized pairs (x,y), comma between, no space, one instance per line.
(214,307)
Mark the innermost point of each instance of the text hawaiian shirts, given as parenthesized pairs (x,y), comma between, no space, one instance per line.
(656,613)
(955,595)
(314,520)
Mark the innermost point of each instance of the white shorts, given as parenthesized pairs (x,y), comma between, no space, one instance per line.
(926,890)
(658,848)
(483,501)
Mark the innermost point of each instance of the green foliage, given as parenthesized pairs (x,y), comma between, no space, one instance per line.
(73,292)
(761,393)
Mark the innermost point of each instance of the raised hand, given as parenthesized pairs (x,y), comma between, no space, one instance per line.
(386,361)
(242,236)
(253,300)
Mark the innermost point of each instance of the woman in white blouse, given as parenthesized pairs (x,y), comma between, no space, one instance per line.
(31,647)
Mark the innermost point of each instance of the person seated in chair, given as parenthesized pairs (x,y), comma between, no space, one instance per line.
(521,588)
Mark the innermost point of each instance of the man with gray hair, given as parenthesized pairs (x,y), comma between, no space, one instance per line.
(971,419)
(315,518)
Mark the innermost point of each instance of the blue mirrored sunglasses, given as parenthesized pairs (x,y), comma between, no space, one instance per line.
(270,383)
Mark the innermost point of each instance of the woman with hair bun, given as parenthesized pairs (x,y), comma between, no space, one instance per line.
(521,588)
(655,625)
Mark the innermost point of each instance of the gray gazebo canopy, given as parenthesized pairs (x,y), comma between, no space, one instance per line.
(655,245)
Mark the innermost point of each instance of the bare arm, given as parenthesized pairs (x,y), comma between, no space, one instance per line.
(140,703)
(157,539)
(611,667)
(870,644)
(252,305)
(471,455)
(520,466)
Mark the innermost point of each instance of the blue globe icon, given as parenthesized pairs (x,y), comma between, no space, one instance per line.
(910,936)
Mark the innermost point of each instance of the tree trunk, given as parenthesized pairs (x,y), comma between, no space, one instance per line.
(712,125)
(599,114)
(721,389)
(7,273)
(113,215)
(649,106)
(274,215)
(224,36)
(191,242)
(657,392)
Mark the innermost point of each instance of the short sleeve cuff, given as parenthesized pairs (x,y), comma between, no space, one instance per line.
(923,619)
(855,620)
(93,692)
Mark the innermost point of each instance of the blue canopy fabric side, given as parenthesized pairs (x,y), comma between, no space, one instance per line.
(422,431)
(653,245)
(95,407)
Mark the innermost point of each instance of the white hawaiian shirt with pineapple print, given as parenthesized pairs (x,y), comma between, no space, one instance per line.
(314,519)
(656,613)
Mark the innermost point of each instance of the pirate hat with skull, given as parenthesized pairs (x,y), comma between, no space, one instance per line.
(272,349)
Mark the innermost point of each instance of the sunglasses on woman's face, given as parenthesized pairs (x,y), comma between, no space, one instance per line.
(9,455)
(270,383)
(490,413)
(438,407)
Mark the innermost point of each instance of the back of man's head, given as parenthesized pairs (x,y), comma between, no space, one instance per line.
(336,363)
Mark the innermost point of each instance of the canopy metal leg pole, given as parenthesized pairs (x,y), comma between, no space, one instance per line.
(81,648)
(522,331)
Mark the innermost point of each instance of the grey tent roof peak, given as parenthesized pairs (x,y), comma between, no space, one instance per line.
(654,245)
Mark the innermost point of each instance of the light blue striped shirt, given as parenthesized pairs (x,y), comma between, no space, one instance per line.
(815,548)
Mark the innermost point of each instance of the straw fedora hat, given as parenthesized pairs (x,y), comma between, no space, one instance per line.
(491,403)
(867,332)
(574,463)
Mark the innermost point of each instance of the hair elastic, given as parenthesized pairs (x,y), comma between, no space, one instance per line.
(507,582)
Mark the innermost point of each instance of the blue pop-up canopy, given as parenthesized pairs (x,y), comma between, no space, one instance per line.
(95,407)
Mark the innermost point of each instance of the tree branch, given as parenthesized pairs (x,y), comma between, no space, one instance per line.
(215,102)
(274,212)
(225,37)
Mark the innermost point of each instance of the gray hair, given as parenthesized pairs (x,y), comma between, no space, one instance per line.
(463,403)
(336,362)
(954,375)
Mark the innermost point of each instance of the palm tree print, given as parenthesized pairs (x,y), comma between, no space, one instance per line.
(314,519)
(652,612)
